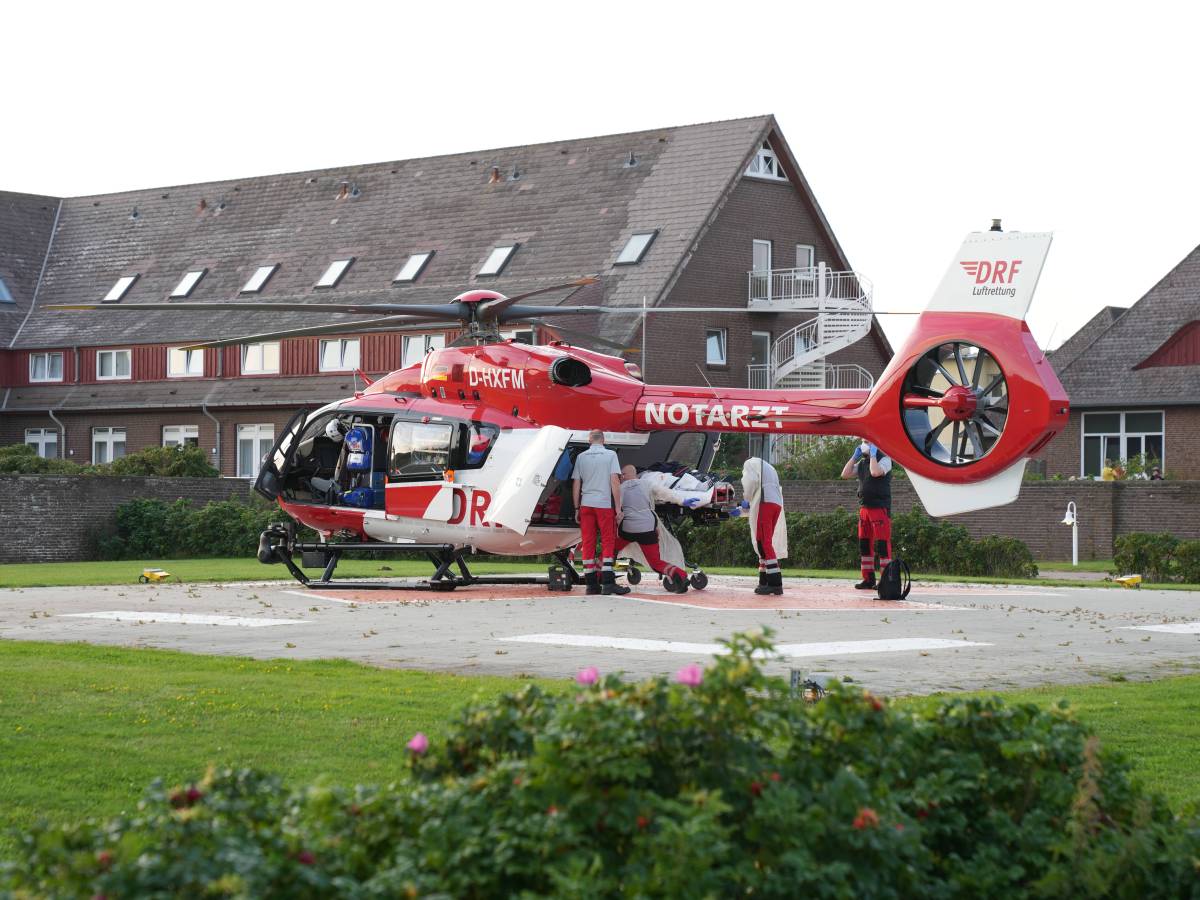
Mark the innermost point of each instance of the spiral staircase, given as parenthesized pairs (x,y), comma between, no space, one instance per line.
(840,303)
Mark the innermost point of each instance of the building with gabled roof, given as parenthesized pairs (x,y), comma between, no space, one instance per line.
(713,215)
(1133,376)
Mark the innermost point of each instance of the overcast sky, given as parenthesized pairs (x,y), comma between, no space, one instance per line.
(914,122)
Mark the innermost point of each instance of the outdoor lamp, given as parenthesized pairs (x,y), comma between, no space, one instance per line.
(1073,520)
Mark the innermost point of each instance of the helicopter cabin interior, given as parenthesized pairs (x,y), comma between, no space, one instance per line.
(346,458)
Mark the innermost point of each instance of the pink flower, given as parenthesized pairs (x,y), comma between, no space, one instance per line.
(690,675)
(588,676)
(419,743)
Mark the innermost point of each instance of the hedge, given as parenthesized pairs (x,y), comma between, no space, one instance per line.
(175,462)
(720,783)
(830,541)
(156,529)
(1158,557)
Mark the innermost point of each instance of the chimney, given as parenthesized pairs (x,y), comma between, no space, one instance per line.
(494,178)
(995,225)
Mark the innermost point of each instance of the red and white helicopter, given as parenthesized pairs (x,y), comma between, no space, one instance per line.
(469,451)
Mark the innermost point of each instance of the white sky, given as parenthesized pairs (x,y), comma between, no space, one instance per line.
(914,122)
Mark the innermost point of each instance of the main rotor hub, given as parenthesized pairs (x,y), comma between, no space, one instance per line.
(958,403)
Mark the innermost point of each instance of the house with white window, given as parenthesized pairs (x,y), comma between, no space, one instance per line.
(1133,376)
(717,216)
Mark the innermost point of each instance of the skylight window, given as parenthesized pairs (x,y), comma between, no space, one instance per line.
(635,248)
(5,296)
(187,284)
(414,266)
(334,273)
(259,279)
(124,283)
(498,259)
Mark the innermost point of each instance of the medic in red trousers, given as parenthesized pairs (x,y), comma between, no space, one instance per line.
(763,501)
(639,524)
(873,469)
(597,491)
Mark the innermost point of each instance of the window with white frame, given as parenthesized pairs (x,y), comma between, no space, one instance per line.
(181,435)
(766,164)
(806,256)
(1119,436)
(417,345)
(187,284)
(253,443)
(498,259)
(45,367)
(413,267)
(760,269)
(339,355)
(107,444)
(259,279)
(260,359)
(333,274)
(44,441)
(112,364)
(184,363)
(714,346)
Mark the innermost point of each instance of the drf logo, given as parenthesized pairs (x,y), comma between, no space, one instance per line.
(1001,271)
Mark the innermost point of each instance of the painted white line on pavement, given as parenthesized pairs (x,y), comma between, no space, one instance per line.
(154,617)
(827,648)
(899,606)
(1178,628)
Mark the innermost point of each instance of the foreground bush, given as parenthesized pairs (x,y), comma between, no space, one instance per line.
(830,541)
(721,784)
(156,529)
(1158,557)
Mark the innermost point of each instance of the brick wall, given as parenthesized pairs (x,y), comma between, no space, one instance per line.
(53,518)
(1106,510)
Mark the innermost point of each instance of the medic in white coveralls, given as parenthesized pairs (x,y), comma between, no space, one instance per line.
(763,500)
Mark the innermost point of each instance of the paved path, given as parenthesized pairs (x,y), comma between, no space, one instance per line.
(945,637)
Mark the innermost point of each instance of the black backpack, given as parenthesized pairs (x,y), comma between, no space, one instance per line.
(895,581)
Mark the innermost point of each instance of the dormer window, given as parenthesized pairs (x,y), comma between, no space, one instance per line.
(498,259)
(5,296)
(334,273)
(187,284)
(766,164)
(118,290)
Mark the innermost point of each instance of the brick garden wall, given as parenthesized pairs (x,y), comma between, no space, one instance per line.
(1106,510)
(53,518)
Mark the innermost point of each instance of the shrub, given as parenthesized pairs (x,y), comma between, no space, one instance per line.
(1187,561)
(156,529)
(1149,555)
(723,785)
(22,459)
(178,462)
(817,459)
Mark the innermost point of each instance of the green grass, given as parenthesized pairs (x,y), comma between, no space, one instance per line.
(76,574)
(83,729)
(1085,565)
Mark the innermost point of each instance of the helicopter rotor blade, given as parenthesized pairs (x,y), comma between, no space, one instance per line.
(584,337)
(495,308)
(339,328)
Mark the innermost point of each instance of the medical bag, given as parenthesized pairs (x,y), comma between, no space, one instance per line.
(358,449)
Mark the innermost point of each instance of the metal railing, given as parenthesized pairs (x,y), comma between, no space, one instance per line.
(814,376)
(807,287)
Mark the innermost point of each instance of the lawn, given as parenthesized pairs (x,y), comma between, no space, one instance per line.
(84,729)
(74,574)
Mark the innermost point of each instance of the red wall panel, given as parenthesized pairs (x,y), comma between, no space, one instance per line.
(1181,349)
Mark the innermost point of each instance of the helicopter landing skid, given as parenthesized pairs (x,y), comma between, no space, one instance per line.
(279,545)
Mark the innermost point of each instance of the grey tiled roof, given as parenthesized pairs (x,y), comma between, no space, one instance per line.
(26,221)
(299,391)
(1077,343)
(572,207)
(1101,371)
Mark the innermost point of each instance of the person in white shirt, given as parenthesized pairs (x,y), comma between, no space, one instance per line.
(597,491)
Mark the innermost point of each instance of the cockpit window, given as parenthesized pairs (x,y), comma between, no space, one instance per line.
(480,439)
(420,450)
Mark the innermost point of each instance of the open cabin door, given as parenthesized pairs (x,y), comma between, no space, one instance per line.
(527,478)
(278,462)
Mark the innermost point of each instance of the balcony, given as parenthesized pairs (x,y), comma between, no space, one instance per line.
(814,376)
(814,289)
